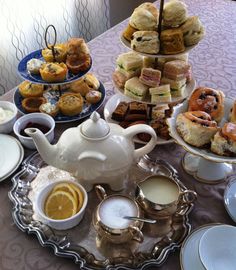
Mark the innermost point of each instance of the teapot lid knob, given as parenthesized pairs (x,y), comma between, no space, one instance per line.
(95,127)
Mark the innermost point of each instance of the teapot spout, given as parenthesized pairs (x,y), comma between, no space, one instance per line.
(47,151)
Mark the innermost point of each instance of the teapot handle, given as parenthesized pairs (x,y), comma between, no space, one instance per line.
(140,128)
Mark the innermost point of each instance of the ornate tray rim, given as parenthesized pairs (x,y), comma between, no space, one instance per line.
(57,243)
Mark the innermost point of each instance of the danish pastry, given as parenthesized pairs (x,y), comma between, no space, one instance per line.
(208,100)
(28,89)
(53,72)
(232,116)
(196,127)
(71,104)
(78,63)
(32,104)
(224,141)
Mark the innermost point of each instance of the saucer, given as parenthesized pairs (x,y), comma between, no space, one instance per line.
(217,248)
(189,255)
(11,156)
(230,199)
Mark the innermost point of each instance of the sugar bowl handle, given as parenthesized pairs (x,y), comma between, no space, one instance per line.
(137,235)
(130,132)
(101,193)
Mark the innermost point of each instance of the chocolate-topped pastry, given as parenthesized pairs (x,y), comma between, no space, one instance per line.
(120,111)
(137,108)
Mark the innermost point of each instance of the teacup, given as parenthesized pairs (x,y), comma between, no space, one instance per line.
(109,221)
(161,196)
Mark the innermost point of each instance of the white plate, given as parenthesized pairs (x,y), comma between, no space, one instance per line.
(111,106)
(11,156)
(187,92)
(217,248)
(127,44)
(230,199)
(205,153)
(189,255)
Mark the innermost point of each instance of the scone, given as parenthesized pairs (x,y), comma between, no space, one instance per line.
(174,13)
(53,72)
(142,19)
(193,31)
(224,141)
(146,42)
(196,127)
(172,41)
(150,7)
(208,100)
(70,104)
(60,53)
(28,89)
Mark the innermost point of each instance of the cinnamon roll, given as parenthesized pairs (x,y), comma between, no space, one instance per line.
(196,127)
(224,141)
(208,100)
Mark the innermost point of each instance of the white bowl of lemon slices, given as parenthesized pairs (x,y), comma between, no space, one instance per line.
(62,204)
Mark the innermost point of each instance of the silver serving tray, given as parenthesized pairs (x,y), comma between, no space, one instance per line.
(81,243)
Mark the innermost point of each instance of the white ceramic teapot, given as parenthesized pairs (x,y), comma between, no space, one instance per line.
(95,151)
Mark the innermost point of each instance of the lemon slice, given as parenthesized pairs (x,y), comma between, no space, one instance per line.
(80,196)
(67,188)
(60,205)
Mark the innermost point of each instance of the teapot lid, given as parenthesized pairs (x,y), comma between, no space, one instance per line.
(95,127)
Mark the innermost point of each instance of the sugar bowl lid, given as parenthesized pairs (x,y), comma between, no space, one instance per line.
(95,127)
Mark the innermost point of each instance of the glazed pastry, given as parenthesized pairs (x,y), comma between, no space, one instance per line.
(193,31)
(28,89)
(224,141)
(60,53)
(48,108)
(196,127)
(143,19)
(128,32)
(208,100)
(33,65)
(172,41)
(174,13)
(78,63)
(146,42)
(93,96)
(91,81)
(53,72)
(232,116)
(32,104)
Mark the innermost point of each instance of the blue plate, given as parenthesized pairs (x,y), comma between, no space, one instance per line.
(52,96)
(25,74)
